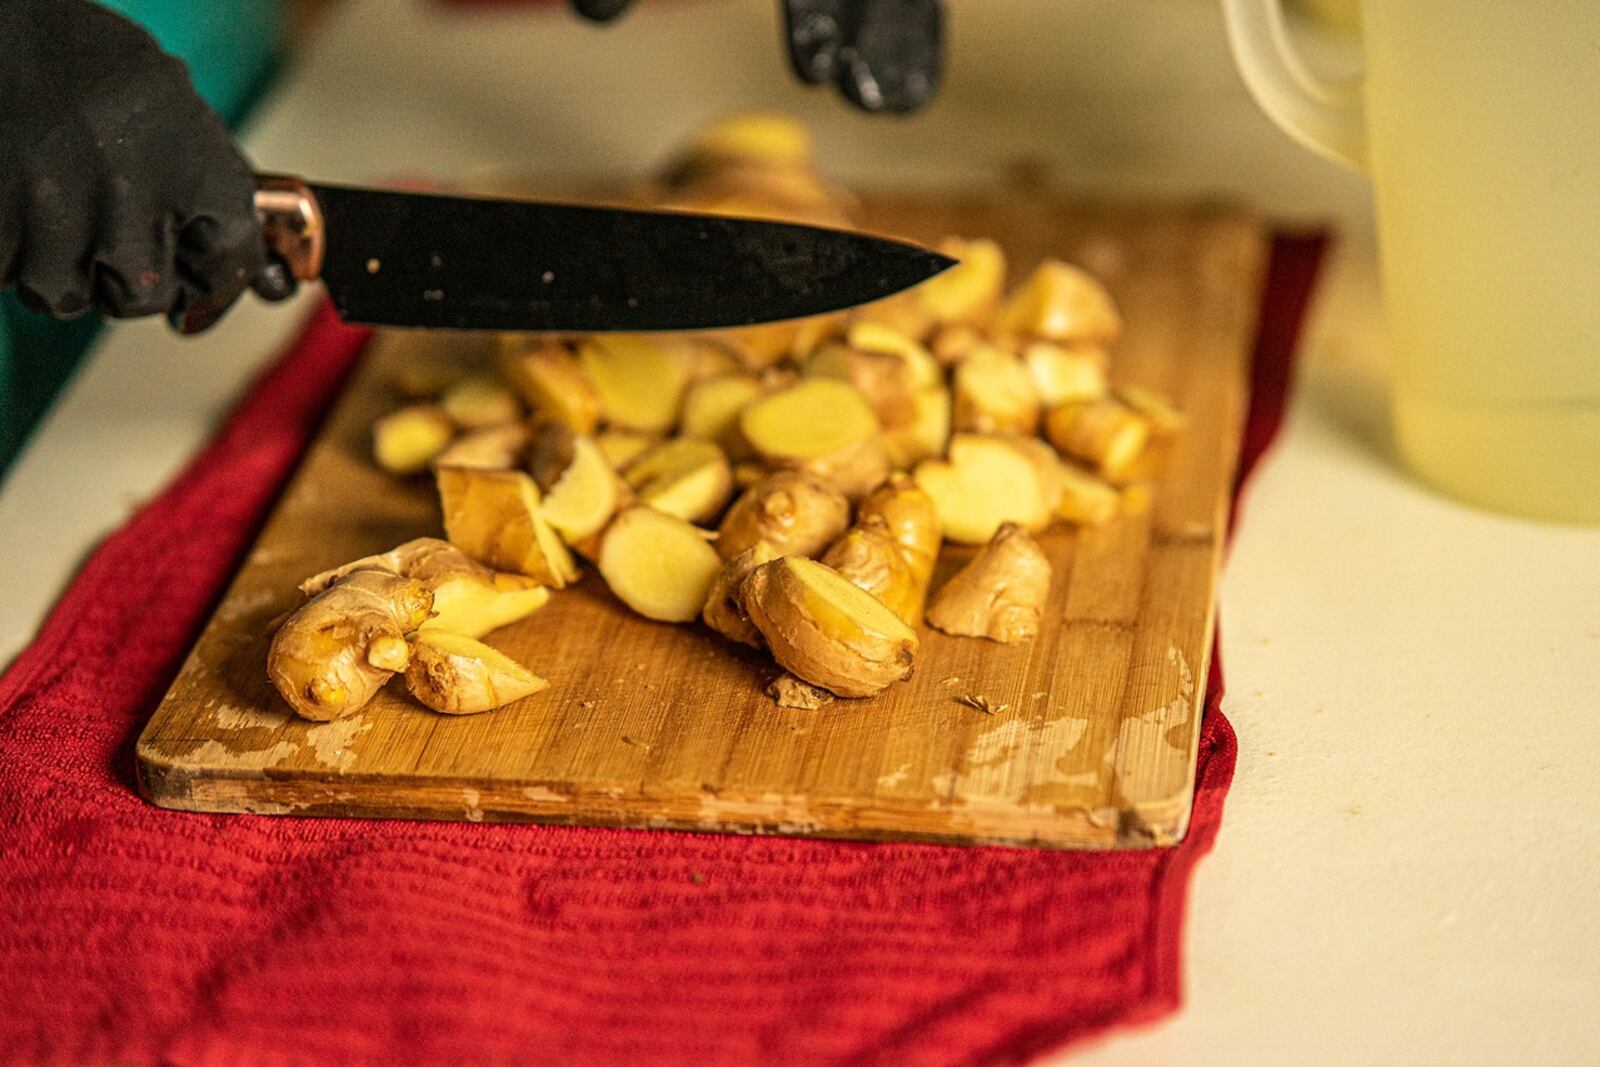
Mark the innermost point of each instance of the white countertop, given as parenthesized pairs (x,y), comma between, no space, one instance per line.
(1409,868)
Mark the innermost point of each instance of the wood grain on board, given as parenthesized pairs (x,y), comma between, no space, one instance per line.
(1092,737)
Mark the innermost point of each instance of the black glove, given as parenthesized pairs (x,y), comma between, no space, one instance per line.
(884,55)
(119,187)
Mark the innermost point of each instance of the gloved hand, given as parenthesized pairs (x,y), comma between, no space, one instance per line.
(884,55)
(119,187)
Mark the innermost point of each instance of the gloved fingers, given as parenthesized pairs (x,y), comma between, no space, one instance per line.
(135,271)
(275,281)
(217,260)
(600,10)
(54,259)
(892,57)
(813,31)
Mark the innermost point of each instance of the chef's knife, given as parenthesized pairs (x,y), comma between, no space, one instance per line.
(413,259)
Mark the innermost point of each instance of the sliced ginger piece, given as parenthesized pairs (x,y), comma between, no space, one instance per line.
(494,448)
(494,517)
(922,369)
(468,598)
(869,557)
(684,476)
(479,401)
(1064,375)
(659,565)
(552,383)
(581,491)
(983,484)
(711,406)
(827,631)
(724,611)
(1105,434)
(406,441)
(810,333)
(767,137)
(1059,302)
(926,435)
(1164,418)
(903,312)
(1000,594)
(458,675)
(813,417)
(425,379)
(909,515)
(797,513)
(882,377)
(335,652)
(1085,499)
(969,291)
(953,341)
(854,470)
(639,380)
(822,426)
(622,447)
(994,393)
(756,347)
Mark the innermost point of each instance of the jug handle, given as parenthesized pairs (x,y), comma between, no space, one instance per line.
(1325,116)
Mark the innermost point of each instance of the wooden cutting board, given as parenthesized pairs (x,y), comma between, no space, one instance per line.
(1092,740)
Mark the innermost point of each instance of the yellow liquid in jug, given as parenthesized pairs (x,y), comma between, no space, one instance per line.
(1484,120)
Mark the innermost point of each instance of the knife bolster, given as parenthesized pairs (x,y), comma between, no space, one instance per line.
(291,223)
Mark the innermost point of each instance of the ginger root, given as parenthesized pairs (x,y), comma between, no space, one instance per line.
(928,433)
(458,675)
(1000,593)
(814,417)
(994,393)
(969,291)
(1059,302)
(883,378)
(724,611)
(480,401)
(639,380)
(659,565)
(711,407)
(494,517)
(869,557)
(552,384)
(1085,499)
(984,483)
(825,630)
(335,652)
(1157,410)
(468,598)
(1104,434)
(1064,375)
(581,491)
(406,441)
(909,515)
(494,448)
(622,447)
(796,513)
(684,476)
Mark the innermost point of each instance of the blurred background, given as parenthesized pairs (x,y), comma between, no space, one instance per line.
(1122,98)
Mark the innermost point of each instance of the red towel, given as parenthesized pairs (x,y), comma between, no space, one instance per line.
(134,935)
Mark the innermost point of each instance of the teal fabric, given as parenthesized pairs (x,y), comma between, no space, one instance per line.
(231,47)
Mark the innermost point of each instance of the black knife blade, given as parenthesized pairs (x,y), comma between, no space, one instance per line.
(424,260)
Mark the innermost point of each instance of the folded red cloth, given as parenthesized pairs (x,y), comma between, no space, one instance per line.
(134,935)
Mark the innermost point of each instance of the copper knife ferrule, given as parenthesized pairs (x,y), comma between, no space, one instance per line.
(291,223)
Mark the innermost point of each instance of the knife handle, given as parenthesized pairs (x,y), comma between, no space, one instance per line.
(291,223)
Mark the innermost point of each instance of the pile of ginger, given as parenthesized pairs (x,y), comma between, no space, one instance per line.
(789,486)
